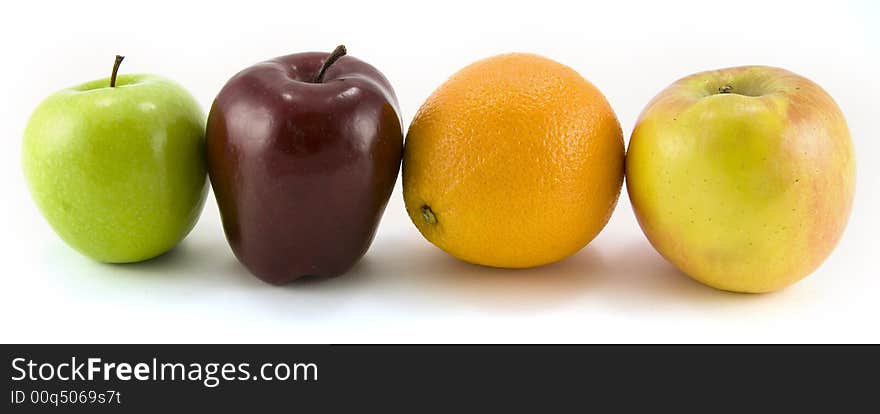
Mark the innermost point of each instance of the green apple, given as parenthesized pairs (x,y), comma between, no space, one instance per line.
(117,166)
(742,177)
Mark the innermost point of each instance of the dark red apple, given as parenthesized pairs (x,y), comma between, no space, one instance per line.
(303,153)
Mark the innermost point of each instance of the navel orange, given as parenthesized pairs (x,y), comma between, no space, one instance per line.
(516,161)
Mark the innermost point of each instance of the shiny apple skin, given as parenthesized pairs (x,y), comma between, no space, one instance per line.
(302,171)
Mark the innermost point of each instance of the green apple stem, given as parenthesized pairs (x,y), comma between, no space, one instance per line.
(115,70)
(334,56)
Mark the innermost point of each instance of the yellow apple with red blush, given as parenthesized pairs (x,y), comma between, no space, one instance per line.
(742,177)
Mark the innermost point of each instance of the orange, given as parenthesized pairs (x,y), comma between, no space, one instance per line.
(516,161)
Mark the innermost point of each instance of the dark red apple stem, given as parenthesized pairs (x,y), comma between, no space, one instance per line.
(115,70)
(334,56)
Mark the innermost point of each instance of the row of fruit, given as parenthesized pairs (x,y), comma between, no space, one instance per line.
(741,177)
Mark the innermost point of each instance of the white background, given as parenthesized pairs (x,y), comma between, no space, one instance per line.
(405,290)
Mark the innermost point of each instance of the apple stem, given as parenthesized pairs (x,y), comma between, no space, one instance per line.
(428,214)
(115,70)
(725,89)
(334,56)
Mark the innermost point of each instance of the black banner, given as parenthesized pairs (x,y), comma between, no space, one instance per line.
(334,378)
